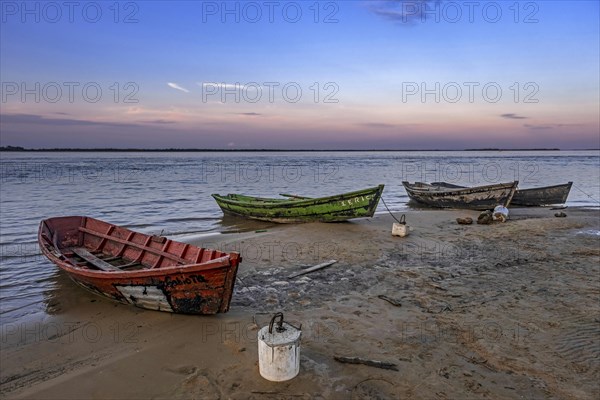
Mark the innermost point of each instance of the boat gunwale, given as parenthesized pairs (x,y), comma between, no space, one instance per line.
(458,191)
(528,190)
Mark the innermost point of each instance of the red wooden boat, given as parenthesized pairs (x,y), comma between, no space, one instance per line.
(150,272)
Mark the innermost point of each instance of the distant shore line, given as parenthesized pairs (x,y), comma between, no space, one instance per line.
(178,150)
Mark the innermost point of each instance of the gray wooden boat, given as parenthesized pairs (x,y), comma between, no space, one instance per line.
(542,196)
(476,198)
(534,197)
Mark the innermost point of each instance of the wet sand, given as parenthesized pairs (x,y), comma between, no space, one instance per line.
(486,311)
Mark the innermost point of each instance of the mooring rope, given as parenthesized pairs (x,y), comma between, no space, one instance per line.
(590,196)
(389,210)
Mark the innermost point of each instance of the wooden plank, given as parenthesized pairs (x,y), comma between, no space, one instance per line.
(103,241)
(136,245)
(315,268)
(294,196)
(164,250)
(92,259)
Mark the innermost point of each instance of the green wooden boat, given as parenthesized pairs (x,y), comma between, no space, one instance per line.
(341,207)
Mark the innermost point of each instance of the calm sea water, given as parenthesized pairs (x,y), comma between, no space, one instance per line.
(170,192)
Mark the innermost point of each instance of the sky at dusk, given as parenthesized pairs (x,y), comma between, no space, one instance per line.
(300,75)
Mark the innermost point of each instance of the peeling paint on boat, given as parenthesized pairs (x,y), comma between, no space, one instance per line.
(149,297)
(358,204)
(476,198)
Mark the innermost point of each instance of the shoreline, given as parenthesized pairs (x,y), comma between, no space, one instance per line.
(498,311)
(216,150)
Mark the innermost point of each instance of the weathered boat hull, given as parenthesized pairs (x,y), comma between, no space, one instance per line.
(542,196)
(475,198)
(534,197)
(170,276)
(358,204)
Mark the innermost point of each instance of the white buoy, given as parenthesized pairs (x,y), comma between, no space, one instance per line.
(279,350)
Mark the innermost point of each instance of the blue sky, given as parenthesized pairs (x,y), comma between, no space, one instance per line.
(499,74)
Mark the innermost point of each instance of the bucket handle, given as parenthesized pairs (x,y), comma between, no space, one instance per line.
(280,327)
(403,219)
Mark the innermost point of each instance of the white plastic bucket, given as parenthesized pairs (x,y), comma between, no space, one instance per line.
(279,350)
(400,229)
(500,213)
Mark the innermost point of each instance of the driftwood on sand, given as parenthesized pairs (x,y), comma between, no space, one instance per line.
(370,363)
(312,269)
(393,302)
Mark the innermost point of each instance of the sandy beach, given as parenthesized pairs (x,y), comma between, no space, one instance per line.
(503,311)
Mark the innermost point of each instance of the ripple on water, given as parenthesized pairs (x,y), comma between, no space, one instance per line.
(589,232)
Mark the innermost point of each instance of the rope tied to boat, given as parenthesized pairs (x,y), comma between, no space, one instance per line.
(588,195)
(402,219)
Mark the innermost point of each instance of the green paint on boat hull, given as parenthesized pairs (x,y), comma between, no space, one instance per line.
(358,204)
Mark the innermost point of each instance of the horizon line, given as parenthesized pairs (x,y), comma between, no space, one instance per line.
(109,149)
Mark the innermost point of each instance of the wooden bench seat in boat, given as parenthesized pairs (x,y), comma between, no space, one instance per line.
(92,259)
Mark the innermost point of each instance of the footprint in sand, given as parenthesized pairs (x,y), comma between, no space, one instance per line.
(197,384)
(379,389)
